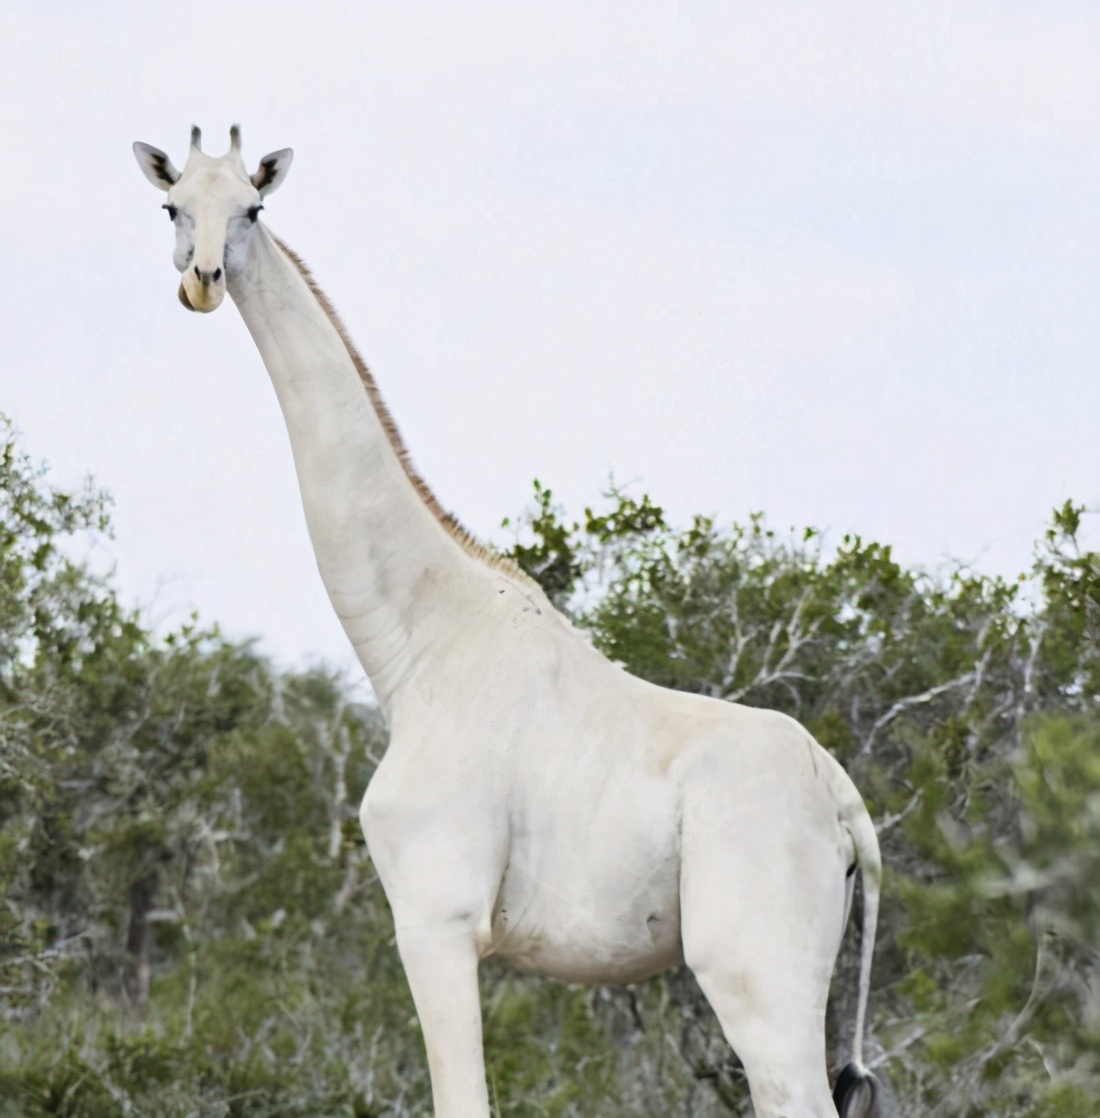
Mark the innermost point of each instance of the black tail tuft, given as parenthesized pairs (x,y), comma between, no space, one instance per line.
(856,1094)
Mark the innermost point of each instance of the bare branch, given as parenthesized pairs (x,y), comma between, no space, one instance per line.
(902,705)
(891,821)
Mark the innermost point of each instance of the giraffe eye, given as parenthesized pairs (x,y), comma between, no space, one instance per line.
(172,211)
(254,212)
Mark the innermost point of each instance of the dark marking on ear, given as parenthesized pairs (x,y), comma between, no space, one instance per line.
(851,870)
(265,174)
(155,165)
(160,168)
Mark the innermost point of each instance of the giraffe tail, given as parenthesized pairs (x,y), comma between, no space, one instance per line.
(857,1093)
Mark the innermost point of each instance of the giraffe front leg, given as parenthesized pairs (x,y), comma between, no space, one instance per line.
(440,854)
(441,966)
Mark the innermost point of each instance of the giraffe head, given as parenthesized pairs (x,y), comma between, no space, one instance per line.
(214,204)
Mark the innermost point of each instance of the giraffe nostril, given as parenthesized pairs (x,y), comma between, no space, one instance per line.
(217,274)
(198,272)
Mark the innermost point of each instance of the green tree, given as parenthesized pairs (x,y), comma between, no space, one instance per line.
(190,924)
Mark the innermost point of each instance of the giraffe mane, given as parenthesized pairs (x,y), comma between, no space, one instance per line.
(465,538)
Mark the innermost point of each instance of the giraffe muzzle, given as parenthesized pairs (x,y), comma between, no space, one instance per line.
(202,291)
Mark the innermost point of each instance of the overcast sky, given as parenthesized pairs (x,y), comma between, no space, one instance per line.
(839,262)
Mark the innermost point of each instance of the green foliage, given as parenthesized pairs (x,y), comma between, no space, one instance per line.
(190,924)
(546,1049)
(48,609)
(560,555)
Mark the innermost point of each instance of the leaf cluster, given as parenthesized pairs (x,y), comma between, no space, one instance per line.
(190,923)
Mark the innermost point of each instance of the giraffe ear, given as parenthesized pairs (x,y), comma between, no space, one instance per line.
(155,166)
(272,170)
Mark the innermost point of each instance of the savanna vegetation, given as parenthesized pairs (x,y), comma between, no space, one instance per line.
(190,925)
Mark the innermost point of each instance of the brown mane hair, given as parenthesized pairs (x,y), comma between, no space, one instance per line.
(465,538)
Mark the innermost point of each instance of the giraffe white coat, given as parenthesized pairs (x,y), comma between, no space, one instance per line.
(536,802)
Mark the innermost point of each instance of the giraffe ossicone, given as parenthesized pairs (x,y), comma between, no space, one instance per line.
(536,801)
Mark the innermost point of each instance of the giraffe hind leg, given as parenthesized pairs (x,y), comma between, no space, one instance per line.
(762,896)
(781,1045)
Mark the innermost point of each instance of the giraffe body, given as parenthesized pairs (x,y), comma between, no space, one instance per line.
(536,802)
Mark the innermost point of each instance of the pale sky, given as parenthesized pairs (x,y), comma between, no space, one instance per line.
(839,262)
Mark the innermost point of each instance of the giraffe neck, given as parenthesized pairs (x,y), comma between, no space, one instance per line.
(393,569)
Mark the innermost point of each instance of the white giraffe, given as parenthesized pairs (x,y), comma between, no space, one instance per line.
(536,802)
